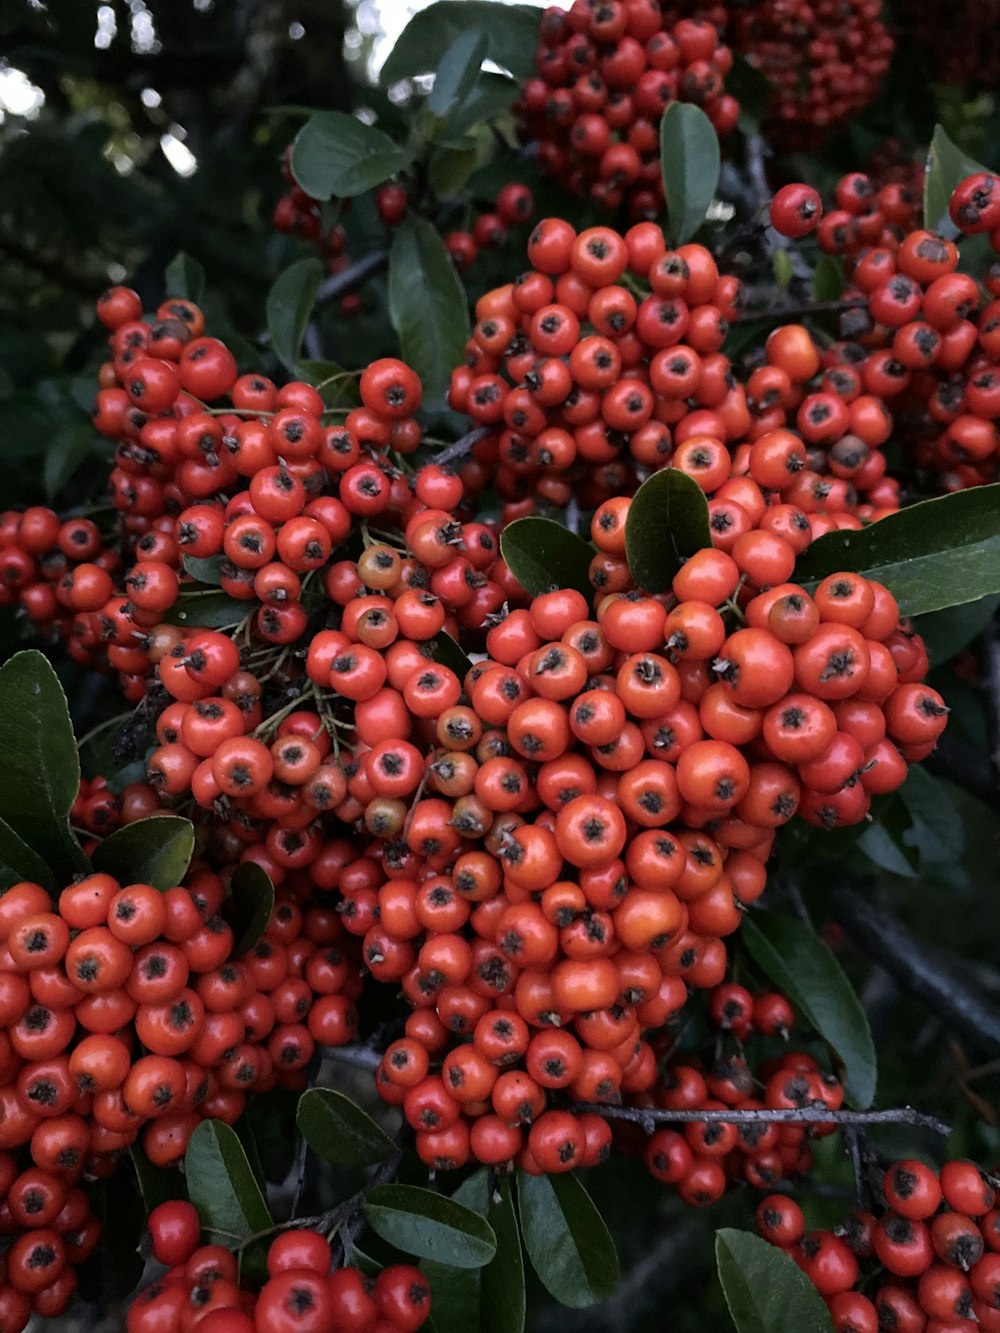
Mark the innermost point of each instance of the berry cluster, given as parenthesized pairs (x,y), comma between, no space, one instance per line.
(702,1158)
(46,1224)
(202,1287)
(825,61)
(960,42)
(546,849)
(126,1011)
(604,360)
(927,1257)
(605,75)
(922,337)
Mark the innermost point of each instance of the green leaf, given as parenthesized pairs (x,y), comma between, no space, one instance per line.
(425,1224)
(938,830)
(490,96)
(752,90)
(765,1290)
(450,169)
(947,164)
(667,522)
(828,279)
(339,1132)
(878,844)
(511,32)
(253,898)
(791,953)
(157,1184)
(336,154)
(502,1304)
(41,767)
(207,609)
(221,1184)
(543,554)
(446,652)
(457,71)
(567,1242)
(18,862)
(337,387)
(456,1293)
(66,454)
(153,851)
(207,569)
(938,553)
(783,271)
(184,277)
(427,305)
(289,307)
(945,633)
(116,1267)
(689,156)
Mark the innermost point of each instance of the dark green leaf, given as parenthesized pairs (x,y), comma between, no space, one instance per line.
(207,570)
(945,633)
(447,653)
(765,1290)
(207,609)
(567,1242)
(752,90)
(456,1293)
(18,862)
(511,31)
(427,305)
(947,164)
(880,847)
(667,522)
(68,451)
(791,953)
(938,830)
(115,1269)
(543,554)
(490,96)
(41,767)
(941,552)
(456,72)
(221,1184)
(157,1184)
(783,271)
(425,1224)
(689,159)
(253,898)
(828,279)
(337,154)
(450,169)
(502,1301)
(153,851)
(184,277)
(339,1131)
(337,387)
(289,307)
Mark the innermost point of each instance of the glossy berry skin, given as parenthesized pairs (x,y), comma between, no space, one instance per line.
(796,211)
(174,1229)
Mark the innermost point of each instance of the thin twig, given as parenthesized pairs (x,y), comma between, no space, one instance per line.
(361,1057)
(346,281)
(649,1117)
(782,313)
(462,446)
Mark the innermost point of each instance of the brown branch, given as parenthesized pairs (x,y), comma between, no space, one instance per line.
(779,314)
(462,446)
(650,1117)
(342,283)
(920,969)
